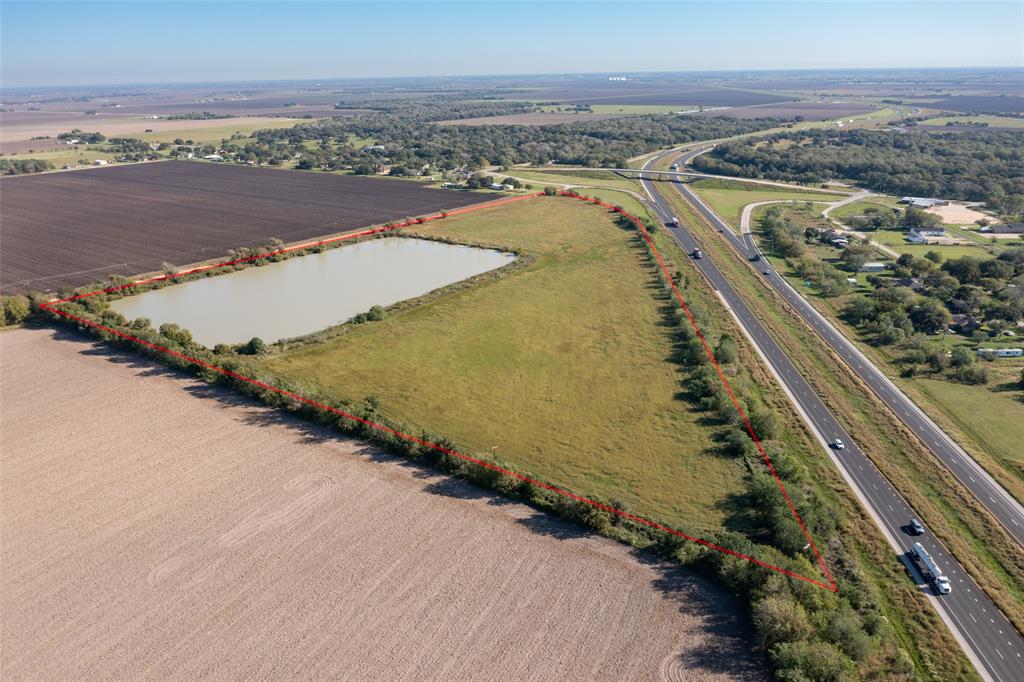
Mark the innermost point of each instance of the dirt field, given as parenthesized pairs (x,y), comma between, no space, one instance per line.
(992,103)
(78,227)
(958,214)
(26,127)
(154,527)
(539,119)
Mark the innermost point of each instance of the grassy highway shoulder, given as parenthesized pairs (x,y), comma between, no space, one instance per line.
(977,540)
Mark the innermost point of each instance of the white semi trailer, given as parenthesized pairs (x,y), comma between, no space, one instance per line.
(930,569)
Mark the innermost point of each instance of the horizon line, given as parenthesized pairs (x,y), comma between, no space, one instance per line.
(338,79)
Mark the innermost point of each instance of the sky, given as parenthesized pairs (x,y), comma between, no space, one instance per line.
(85,42)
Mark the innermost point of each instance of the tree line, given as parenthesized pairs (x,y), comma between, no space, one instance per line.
(809,634)
(410,136)
(21,166)
(972,165)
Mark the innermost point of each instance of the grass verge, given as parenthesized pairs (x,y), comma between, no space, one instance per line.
(728,197)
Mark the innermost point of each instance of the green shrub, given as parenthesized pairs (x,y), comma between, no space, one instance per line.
(972,374)
(255,346)
(778,619)
(15,310)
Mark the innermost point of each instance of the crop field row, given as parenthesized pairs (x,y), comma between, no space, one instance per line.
(127,220)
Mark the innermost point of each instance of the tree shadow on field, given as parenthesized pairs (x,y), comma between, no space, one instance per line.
(1011,386)
(254,413)
(449,486)
(93,347)
(550,526)
(728,646)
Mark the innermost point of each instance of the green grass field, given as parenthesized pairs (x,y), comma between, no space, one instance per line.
(859,207)
(214,134)
(60,157)
(576,178)
(897,240)
(728,198)
(993,121)
(986,412)
(562,366)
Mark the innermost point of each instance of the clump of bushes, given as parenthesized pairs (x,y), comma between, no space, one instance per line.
(14,310)
(374,314)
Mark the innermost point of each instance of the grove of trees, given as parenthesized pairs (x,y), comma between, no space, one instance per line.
(970,165)
(408,135)
(988,291)
(20,166)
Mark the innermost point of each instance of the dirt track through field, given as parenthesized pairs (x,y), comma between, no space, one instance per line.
(155,527)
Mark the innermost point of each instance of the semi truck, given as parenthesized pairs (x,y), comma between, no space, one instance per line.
(930,570)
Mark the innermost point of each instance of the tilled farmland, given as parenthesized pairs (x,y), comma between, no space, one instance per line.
(156,527)
(74,228)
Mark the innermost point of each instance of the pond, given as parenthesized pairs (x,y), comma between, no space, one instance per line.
(309,293)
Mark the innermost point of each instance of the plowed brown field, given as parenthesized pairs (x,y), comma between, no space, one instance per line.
(79,227)
(155,527)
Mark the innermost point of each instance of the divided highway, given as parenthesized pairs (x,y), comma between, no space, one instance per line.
(990,641)
(1007,510)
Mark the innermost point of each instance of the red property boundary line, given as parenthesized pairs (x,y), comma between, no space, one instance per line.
(51,306)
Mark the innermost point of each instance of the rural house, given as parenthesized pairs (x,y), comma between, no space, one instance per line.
(1003,228)
(873,267)
(922,235)
(923,202)
(909,282)
(964,324)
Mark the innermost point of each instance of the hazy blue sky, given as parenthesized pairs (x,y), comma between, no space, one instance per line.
(47,43)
